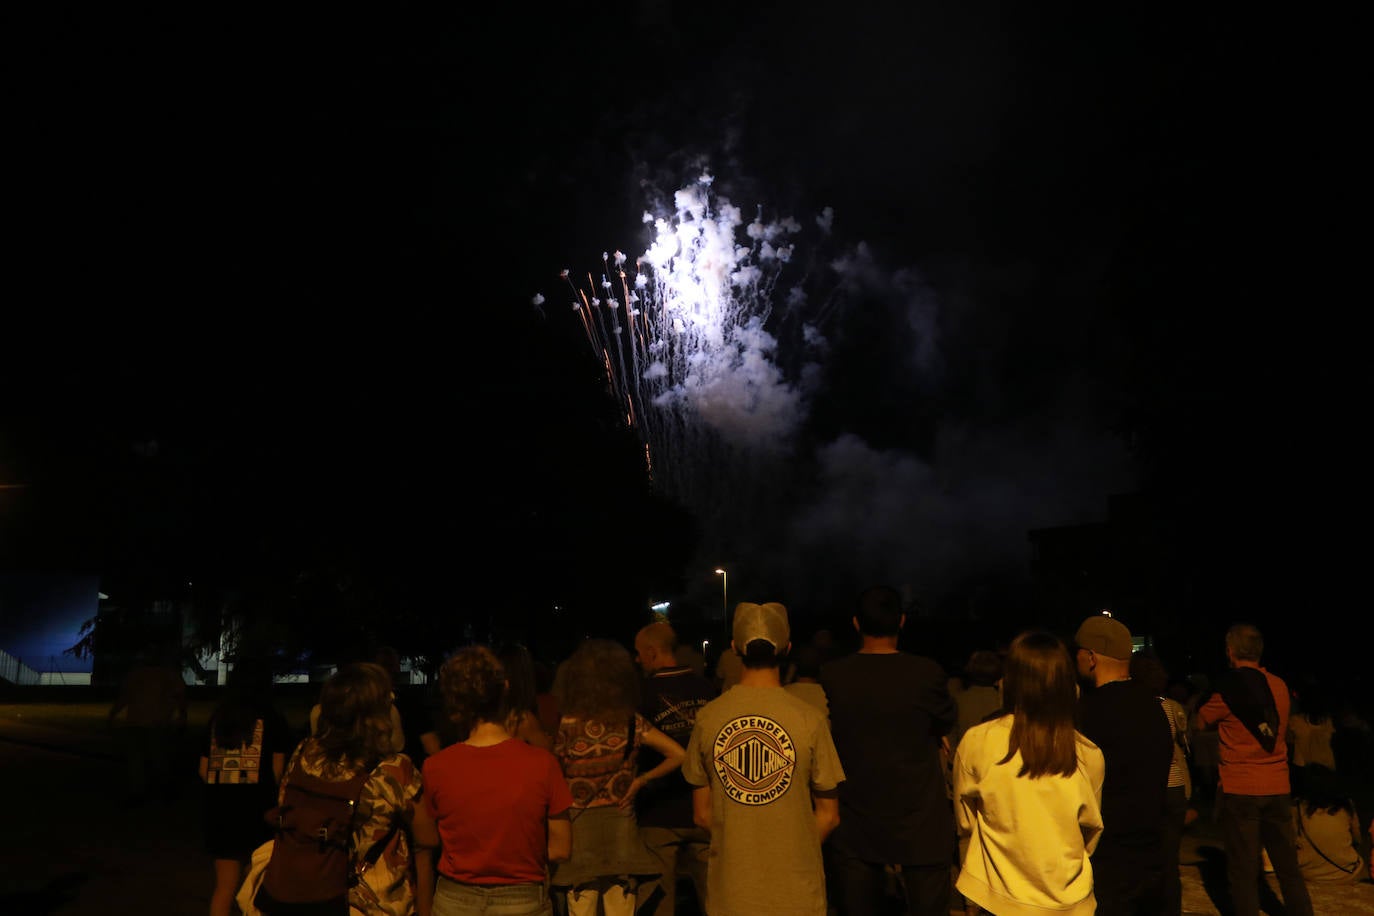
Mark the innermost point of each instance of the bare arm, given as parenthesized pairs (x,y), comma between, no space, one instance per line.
(560,838)
(424,881)
(826,808)
(426,836)
(278,767)
(673,755)
(204,769)
(701,807)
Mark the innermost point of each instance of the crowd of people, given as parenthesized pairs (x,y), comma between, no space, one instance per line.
(1049,775)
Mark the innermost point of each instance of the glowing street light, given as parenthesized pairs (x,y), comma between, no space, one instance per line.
(724,599)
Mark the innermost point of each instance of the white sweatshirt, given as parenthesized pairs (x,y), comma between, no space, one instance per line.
(1028,839)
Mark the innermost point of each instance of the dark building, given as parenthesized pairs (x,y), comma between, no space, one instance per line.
(1129,564)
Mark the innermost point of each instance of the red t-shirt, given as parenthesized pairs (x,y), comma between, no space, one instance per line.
(491,805)
(1246,767)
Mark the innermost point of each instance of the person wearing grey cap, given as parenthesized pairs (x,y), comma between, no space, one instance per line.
(766,777)
(1125,720)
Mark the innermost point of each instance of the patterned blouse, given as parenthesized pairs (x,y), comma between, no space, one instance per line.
(598,759)
(388,797)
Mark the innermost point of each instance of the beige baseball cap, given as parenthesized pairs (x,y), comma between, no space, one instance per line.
(761,621)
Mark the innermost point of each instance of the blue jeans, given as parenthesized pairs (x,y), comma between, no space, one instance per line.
(1249,822)
(453,898)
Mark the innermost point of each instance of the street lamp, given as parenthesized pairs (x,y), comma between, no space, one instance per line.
(725,600)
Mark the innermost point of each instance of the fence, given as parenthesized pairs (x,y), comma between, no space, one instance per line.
(16,671)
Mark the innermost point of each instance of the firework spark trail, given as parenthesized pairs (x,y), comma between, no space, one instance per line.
(729,322)
(697,361)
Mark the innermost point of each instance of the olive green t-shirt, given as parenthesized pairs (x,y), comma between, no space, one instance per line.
(761,751)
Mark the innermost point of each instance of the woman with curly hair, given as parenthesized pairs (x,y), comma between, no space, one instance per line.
(599,736)
(501,804)
(355,739)
(1028,791)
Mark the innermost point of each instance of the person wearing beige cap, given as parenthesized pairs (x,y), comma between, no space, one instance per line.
(766,778)
(1125,720)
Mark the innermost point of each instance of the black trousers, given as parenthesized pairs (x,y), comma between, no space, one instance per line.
(927,889)
(1128,881)
(1249,822)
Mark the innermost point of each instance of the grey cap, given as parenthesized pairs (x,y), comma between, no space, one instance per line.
(761,621)
(1105,636)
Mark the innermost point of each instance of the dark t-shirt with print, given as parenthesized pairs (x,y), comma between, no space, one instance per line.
(239,785)
(672,697)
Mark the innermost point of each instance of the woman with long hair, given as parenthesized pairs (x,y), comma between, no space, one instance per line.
(1328,829)
(1028,791)
(243,760)
(1310,732)
(522,706)
(501,804)
(355,737)
(599,736)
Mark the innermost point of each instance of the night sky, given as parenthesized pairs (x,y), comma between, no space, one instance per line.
(271,285)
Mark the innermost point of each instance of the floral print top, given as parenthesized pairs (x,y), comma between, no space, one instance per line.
(389,797)
(598,759)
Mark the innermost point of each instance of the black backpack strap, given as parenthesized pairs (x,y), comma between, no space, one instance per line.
(374,851)
(1302,828)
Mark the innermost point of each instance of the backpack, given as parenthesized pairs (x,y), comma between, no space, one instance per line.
(312,858)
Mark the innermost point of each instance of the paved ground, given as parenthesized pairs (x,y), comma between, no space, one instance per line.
(73,848)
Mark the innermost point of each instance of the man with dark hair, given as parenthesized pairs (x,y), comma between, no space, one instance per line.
(673,694)
(894,808)
(1249,710)
(766,777)
(1124,719)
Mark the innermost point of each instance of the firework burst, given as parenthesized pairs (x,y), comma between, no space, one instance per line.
(708,340)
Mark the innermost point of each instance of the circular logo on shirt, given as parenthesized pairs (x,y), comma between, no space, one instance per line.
(755,759)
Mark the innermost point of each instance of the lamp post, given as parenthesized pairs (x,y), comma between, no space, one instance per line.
(725,600)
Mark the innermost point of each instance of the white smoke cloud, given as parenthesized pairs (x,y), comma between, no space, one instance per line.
(728,355)
(886,515)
